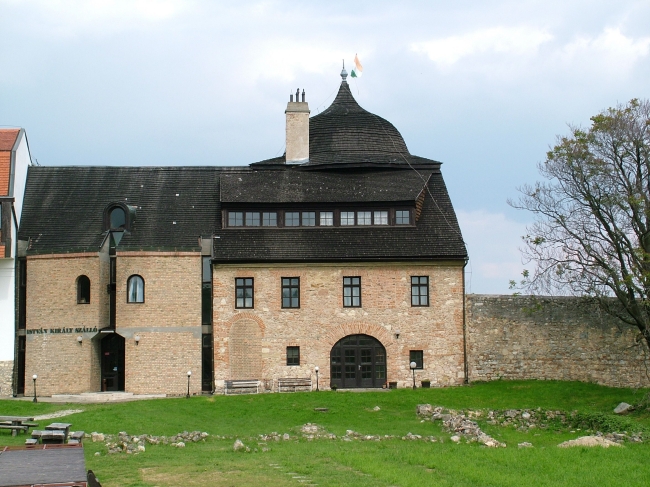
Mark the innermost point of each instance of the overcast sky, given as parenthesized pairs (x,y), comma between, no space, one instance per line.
(483,86)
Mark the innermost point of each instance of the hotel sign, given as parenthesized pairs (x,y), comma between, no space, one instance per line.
(54,331)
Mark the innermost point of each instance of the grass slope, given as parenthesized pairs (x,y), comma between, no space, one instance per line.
(334,462)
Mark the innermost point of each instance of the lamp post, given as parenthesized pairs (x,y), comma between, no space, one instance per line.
(413,366)
(316,370)
(189,374)
(34,377)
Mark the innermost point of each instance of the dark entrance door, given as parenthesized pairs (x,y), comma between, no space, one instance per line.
(358,361)
(112,351)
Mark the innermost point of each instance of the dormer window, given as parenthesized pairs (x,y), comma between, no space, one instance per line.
(118,217)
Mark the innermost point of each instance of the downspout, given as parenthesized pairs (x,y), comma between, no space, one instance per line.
(465,366)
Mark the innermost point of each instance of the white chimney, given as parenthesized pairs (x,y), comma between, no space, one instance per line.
(297,129)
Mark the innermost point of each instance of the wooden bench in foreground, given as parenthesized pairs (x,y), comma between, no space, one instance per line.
(291,384)
(242,386)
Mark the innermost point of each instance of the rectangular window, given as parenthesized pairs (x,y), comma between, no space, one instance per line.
(419,291)
(363,218)
(347,218)
(235,219)
(293,355)
(292,219)
(381,218)
(402,217)
(252,219)
(417,356)
(270,219)
(326,218)
(291,292)
(308,218)
(352,292)
(206,292)
(244,292)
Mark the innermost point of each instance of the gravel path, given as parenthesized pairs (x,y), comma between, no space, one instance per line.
(58,414)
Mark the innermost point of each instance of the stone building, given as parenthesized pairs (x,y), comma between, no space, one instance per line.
(343,254)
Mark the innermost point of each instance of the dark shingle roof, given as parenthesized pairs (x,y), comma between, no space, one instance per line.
(64,206)
(294,185)
(435,237)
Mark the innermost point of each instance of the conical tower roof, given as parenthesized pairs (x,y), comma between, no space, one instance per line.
(347,134)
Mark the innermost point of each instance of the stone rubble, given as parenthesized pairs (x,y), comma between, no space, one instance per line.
(134,444)
(623,408)
(461,425)
(589,441)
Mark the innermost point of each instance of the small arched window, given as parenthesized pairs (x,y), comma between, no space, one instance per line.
(83,290)
(135,289)
(117,218)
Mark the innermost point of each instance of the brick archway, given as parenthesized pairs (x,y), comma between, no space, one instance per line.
(361,328)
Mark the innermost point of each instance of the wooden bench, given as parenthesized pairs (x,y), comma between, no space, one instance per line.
(15,428)
(31,442)
(290,384)
(242,386)
(75,437)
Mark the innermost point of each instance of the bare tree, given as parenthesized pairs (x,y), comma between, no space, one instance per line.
(591,235)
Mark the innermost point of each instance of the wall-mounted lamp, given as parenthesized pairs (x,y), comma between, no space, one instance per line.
(137,339)
(80,339)
(397,334)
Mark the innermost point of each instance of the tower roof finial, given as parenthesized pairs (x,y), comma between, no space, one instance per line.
(344,73)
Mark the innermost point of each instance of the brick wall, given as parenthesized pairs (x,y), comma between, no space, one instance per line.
(322,320)
(62,364)
(168,322)
(519,337)
(6,372)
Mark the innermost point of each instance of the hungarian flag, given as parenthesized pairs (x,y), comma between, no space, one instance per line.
(357,71)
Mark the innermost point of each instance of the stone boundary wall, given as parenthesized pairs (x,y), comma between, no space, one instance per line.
(563,338)
(6,371)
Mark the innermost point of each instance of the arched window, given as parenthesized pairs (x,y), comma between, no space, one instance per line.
(83,290)
(135,289)
(117,218)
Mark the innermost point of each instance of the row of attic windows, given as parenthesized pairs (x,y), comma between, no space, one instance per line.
(134,289)
(318,218)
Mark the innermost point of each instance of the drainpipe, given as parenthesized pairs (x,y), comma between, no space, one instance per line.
(465,366)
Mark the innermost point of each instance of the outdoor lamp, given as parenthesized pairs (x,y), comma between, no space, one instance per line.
(316,369)
(397,333)
(413,366)
(80,339)
(189,374)
(137,339)
(34,377)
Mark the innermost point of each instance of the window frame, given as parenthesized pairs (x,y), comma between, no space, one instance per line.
(128,297)
(413,357)
(352,286)
(85,279)
(289,286)
(408,212)
(418,286)
(296,358)
(245,286)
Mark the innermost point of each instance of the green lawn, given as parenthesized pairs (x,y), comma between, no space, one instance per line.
(392,462)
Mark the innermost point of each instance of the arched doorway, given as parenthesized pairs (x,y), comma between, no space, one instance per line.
(358,361)
(112,362)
